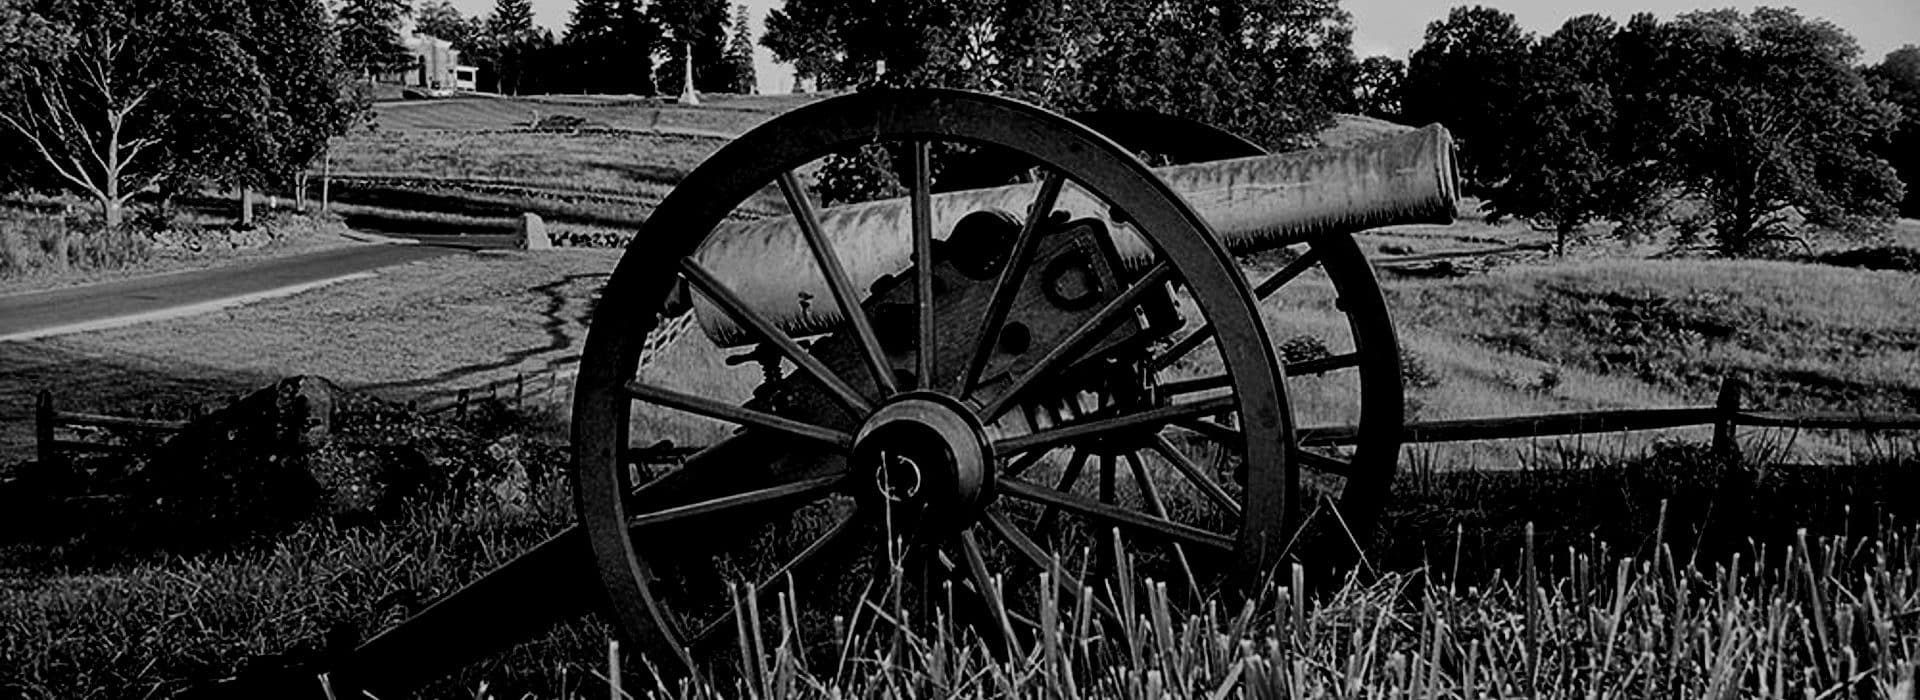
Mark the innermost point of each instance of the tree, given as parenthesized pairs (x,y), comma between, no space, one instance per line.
(699,27)
(1272,70)
(1376,86)
(169,94)
(1561,173)
(1896,80)
(27,38)
(440,19)
(511,42)
(1772,126)
(611,45)
(298,55)
(740,52)
(370,42)
(90,116)
(1465,75)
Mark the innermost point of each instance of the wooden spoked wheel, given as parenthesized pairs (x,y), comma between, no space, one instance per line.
(1353,370)
(967,422)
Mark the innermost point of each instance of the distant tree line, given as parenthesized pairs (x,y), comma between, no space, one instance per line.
(634,47)
(1740,130)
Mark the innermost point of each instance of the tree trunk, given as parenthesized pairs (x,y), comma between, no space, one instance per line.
(246,208)
(112,212)
(61,243)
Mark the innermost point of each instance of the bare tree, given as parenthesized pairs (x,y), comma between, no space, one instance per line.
(83,112)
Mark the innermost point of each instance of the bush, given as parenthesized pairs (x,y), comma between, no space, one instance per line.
(1886,257)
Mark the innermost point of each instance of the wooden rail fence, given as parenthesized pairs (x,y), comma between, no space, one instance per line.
(1725,416)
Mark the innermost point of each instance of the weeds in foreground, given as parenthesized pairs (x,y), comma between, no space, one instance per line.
(1492,603)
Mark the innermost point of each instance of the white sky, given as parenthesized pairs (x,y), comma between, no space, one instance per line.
(1395,27)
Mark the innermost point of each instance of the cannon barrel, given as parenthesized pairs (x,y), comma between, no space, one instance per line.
(1252,204)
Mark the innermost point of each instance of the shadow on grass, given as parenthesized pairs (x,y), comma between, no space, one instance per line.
(102,382)
(559,325)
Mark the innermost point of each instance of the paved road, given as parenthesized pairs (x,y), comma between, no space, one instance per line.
(77,308)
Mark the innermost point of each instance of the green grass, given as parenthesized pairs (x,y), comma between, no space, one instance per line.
(1472,596)
(449,322)
(1809,337)
(723,114)
(613,162)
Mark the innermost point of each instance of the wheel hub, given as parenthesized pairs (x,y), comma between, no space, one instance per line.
(926,452)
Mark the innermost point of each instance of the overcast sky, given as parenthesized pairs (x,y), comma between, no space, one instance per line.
(1395,27)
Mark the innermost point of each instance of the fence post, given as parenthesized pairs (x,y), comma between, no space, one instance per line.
(43,428)
(1725,444)
(519,391)
(462,411)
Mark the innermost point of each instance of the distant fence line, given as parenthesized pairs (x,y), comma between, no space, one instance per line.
(1725,416)
(55,434)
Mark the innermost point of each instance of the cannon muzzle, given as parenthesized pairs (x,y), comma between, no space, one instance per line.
(1252,204)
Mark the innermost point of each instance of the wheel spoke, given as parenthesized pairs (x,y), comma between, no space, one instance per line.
(738,415)
(1049,364)
(802,489)
(1024,462)
(996,603)
(836,273)
(1115,515)
(1187,468)
(1322,463)
(922,204)
(1096,428)
(1195,385)
(1151,494)
(1025,545)
(1181,348)
(834,537)
(1065,485)
(709,285)
(1213,431)
(1323,365)
(1008,283)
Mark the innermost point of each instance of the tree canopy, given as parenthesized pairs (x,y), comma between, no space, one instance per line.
(740,52)
(1273,70)
(1770,125)
(1896,79)
(1467,75)
(370,41)
(168,94)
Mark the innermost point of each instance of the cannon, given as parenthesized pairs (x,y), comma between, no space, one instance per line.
(968,382)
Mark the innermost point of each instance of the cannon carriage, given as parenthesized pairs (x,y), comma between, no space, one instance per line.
(1044,343)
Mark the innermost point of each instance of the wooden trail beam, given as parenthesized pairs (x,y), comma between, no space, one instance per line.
(1517,427)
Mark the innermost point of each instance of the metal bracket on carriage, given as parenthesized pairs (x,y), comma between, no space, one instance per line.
(1075,270)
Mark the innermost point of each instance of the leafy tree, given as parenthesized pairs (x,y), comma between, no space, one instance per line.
(1270,69)
(1897,80)
(298,55)
(1772,126)
(27,38)
(511,44)
(370,42)
(740,52)
(169,94)
(804,34)
(611,44)
(440,19)
(1376,86)
(1559,160)
(1466,75)
(699,26)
